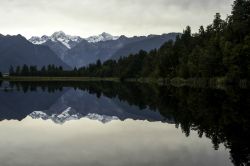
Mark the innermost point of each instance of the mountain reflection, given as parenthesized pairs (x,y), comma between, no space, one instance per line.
(220,115)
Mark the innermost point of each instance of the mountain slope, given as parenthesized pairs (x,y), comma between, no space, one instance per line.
(16,50)
(77,52)
(59,42)
(58,48)
(150,43)
(85,53)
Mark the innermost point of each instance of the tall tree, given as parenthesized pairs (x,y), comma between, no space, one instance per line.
(11,71)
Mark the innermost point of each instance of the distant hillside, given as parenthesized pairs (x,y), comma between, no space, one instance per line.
(77,52)
(85,53)
(16,50)
(149,43)
(57,47)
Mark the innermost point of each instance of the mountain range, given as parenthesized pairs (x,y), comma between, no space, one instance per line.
(77,52)
(69,51)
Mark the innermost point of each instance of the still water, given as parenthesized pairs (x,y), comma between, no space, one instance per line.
(113,124)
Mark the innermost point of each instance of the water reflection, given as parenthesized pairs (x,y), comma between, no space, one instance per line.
(118,143)
(63,103)
(219,115)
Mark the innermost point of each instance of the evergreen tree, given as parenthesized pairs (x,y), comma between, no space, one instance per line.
(11,71)
(18,71)
(25,70)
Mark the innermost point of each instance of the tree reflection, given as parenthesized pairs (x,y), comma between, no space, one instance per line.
(221,115)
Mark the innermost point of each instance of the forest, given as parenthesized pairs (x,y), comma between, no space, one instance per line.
(220,50)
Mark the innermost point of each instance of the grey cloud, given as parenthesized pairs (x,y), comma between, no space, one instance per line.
(129,17)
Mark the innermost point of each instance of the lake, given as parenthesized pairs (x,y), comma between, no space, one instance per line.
(120,124)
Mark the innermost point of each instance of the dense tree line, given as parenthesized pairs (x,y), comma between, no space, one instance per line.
(220,50)
(45,71)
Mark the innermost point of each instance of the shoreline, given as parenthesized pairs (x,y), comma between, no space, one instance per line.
(177,82)
(60,79)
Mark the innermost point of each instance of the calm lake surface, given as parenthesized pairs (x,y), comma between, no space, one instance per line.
(114,124)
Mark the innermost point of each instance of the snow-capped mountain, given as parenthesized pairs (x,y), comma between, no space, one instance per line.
(102,37)
(70,41)
(70,114)
(61,43)
(67,40)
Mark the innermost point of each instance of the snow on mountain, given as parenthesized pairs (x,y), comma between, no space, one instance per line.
(102,37)
(70,114)
(101,118)
(66,115)
(38,40)
(70,41)
(66,40)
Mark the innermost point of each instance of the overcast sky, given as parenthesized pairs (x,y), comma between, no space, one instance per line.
(90,17)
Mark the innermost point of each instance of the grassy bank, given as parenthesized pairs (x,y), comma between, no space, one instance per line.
(58,79)
(177,82)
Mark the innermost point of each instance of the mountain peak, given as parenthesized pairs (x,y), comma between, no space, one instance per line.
(14,37)
(60,37)
(123,37)
(102,37)
(105,34)
(67,40)
(58,34)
